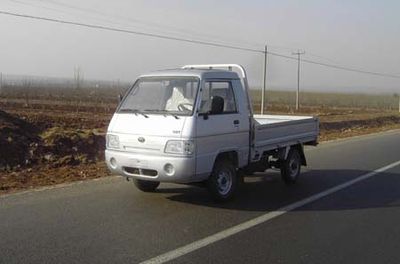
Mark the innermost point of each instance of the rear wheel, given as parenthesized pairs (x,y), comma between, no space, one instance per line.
(223,181)
(146,186)
(290,168)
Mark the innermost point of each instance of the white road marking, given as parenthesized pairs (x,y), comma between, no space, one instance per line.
(176,253)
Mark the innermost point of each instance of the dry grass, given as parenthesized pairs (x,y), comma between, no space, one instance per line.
(328,100)
(341,115)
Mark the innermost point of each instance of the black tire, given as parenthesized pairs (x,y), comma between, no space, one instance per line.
(290,168)
(146,186)
(223,181)
(240,179)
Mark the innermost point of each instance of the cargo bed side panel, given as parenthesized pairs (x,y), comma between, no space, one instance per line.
(272,132)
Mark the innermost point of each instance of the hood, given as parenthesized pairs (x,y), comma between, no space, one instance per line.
(153,125)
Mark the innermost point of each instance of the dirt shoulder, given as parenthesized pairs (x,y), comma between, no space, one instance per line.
(39,148)
(330,130)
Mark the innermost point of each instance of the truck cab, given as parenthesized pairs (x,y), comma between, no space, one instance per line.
(190,125)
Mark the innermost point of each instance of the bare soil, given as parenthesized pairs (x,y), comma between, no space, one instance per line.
(41,146)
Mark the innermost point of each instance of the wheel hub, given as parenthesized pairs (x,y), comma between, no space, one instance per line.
(224,181)
(294,167)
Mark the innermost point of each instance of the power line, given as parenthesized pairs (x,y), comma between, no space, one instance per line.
(206,43)
(33,5)
(157,26)
(56,10)
(321,57)
(130,31)
(94,14)
(154,25)
(338,67)
(351,69)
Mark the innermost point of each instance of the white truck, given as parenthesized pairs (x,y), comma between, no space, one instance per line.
(196,125)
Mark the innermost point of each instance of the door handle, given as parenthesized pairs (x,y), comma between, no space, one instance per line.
(236,122)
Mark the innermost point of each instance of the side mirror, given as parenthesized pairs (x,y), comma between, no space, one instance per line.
(120,98)
(217,105)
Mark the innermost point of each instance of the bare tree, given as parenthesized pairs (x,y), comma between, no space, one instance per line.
(78,77)
(26,84)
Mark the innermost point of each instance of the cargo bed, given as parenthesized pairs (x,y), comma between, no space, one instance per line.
(277,131)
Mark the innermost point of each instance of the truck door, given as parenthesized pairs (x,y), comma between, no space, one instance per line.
(224,129)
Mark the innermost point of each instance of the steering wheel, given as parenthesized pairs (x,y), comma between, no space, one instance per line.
(185,107)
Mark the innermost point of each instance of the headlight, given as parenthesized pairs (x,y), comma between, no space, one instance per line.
(185,147)
(112,141)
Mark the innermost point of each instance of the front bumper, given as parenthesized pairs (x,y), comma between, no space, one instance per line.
(152,167)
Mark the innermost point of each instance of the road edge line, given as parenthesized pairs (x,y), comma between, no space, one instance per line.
(184,250)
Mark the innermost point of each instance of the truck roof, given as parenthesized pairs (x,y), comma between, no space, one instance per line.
(200,73)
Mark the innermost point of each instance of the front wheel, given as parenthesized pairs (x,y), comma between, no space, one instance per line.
(146,186)
(223,181)
(290,168)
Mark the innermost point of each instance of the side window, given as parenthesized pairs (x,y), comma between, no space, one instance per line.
(222,89)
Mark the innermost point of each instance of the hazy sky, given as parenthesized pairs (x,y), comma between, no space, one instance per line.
(360,34)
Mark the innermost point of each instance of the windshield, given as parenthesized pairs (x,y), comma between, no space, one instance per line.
(174,95)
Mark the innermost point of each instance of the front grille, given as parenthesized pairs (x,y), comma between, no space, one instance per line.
(138,171)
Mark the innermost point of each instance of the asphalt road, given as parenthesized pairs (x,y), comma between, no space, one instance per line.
(109,221)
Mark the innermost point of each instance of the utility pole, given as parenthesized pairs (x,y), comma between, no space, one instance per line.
(264,80)
(298,53)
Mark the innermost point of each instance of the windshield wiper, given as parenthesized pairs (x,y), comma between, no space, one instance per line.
(165,112)
(135,111)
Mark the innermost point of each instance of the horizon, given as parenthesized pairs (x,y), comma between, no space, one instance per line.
(356,34)
(40,80)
